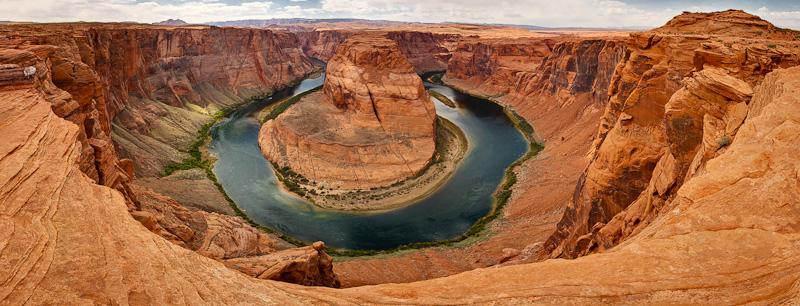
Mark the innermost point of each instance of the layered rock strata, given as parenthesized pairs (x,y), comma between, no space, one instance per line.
(148,89)
(560,95)
(91,72)
(714,247)
(676,101)
(372,125)
(425,51)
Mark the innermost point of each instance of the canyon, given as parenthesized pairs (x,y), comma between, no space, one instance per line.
(374,122)
(669,172)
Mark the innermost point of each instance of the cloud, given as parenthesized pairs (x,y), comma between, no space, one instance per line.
(553,13)
(129,10)
(536,12)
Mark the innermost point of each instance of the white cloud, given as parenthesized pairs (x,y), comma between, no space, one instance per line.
(129,10)
(536,12)
(554,13)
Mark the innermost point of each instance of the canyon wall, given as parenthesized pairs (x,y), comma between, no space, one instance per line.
(95,76)
(716,247)
(374,123)
(164,84)
(424,50)
(676,101)
(151,88)
(492,65)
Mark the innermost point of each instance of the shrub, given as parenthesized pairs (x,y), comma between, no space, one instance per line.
(724,141)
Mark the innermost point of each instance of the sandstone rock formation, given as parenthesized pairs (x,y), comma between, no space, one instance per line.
(210,234)
(660,127)
(308,266)
(714,247)
(373,124)
(150,88)
(426,51)
(58,64)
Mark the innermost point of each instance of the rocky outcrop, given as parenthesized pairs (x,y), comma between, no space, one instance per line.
(658,129)
(730,22)
(374,123)
(308,266)
(53,65)
(210,234)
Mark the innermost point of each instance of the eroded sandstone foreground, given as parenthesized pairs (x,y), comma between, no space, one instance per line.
(372,125)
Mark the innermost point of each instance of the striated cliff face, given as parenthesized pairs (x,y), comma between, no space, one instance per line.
(425,51)
(493,64)
(88,73)
(374,122)
(676,101)
(150,88)
(322,44)
(163,84)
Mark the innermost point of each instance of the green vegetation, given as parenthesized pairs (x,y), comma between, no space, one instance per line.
(501,195)
(442,98)
(437,78)
(290,178)
(724,141)
(282,106)
(197,161)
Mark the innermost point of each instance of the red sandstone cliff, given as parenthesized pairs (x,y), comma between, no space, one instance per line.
(163,84)
(89,72)
(727,236)
(424,50)
(374,123)
(715,247)
(150,88)
(676,101)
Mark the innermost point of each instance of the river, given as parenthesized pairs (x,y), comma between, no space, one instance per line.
(447,213)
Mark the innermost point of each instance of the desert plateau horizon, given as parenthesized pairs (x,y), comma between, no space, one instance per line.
(332,152)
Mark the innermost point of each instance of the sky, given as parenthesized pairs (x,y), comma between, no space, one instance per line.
(549,13)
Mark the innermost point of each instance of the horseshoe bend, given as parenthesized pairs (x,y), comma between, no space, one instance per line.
(668,173)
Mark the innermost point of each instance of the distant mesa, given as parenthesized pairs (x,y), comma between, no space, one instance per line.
(730,22)
(172,22)
(372,125)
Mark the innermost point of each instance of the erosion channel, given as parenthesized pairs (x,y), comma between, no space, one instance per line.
(248,178)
